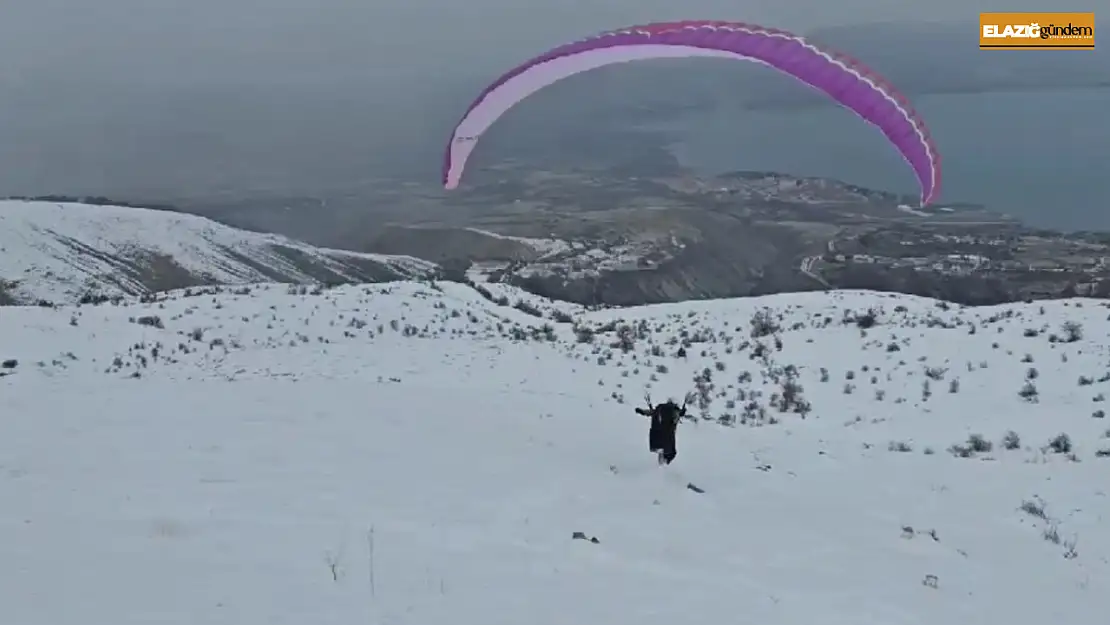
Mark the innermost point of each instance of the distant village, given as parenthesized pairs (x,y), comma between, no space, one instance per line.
(1085,265)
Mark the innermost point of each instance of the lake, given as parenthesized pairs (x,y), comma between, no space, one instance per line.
(1044,157)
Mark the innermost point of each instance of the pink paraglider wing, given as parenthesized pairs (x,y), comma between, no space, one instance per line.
(844,80)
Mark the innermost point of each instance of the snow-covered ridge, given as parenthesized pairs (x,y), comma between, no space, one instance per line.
(60,251)
(423,453)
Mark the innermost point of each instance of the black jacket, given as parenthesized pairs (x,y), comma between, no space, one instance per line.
(664,416)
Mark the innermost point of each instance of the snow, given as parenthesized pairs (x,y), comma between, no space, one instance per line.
(906,208)
(516,296)
(57,251)
(480,272)
(544,247)
(578,259)
(387,454)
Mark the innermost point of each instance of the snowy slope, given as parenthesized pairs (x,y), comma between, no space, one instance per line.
(59,252)
(409,453)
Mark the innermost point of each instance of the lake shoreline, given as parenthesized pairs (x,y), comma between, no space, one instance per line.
(1000,150)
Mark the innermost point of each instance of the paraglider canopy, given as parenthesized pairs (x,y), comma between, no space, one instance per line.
(841,78)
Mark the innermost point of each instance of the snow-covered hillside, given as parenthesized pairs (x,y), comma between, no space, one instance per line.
(61,252)
(416,453)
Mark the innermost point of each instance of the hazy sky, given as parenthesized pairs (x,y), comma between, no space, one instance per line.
(161,96)
(182,41)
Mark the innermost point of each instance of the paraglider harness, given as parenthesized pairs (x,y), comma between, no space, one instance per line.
(664,426)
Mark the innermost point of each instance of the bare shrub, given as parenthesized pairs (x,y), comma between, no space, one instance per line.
(1061,444)
(153,321)
(1073,331)
(1028,392)
(763,324)
(979,444)
(1035,507)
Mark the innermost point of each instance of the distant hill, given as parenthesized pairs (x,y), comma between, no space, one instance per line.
(63,252)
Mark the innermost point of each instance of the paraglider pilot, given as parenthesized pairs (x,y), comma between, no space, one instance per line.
(664,426)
